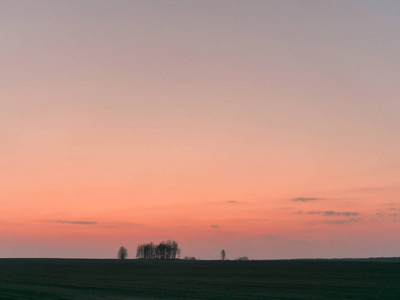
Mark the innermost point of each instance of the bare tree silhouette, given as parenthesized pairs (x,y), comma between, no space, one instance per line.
(223,255)
(175,251)
(122,253)
(189,258)
(242,258)
(164,250)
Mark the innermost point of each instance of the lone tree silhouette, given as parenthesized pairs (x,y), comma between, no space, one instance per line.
(223,255)
(122,253)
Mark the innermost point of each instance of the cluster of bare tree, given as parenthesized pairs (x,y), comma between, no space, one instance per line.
(242,258)
(189,258)
(164,250)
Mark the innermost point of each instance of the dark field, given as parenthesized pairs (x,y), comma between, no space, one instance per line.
(158,279)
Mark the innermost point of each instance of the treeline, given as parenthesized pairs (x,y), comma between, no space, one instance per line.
(164,250)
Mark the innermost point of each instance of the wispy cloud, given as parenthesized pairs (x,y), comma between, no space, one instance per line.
(273,237)
(214,226)
(297,242)
(341,222)
(390,212)
(372,189)
(282,239)
(348,214)
(76,222)
(121,224)
(305,199)
(100,224)
(314,212)
(330,213)
(232,201)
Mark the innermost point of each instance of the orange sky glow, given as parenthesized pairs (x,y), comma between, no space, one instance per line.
(269,129)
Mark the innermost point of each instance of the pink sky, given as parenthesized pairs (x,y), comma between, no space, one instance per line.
(269,129)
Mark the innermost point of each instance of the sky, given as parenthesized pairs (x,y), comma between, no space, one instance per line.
(269,129)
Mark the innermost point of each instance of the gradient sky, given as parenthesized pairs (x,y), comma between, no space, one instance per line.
(269,129)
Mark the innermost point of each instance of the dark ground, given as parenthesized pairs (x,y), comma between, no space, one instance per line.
(161,279)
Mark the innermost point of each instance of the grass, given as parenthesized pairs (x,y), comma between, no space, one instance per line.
(162,279)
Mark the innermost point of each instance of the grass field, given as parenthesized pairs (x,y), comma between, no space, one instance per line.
(162,279)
